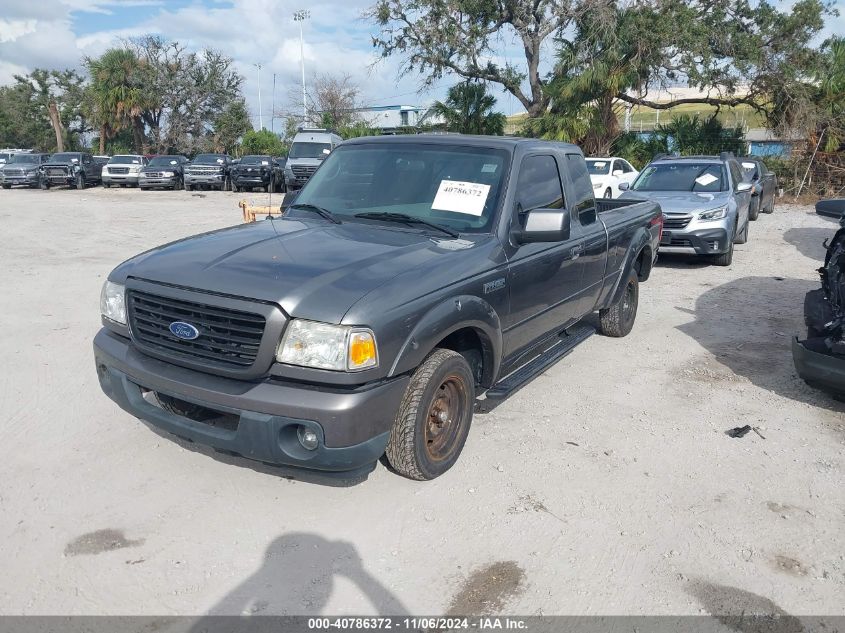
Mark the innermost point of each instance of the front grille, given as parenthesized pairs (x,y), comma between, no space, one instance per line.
(680,241)
(154,174)
(118,170)
(56,171)
(228,338)
(303,171)
(202,171)
(676,221)
(14,173)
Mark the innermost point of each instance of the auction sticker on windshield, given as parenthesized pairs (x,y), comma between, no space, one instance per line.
(706,179)
(461,197)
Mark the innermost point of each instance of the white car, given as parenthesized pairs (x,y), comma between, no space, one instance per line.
(608,173)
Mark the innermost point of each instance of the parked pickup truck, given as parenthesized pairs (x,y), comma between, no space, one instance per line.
(411,275)
(76,169)
(208,170)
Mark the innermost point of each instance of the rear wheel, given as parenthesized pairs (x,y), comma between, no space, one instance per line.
(618,319)
(771,207)
(433,421)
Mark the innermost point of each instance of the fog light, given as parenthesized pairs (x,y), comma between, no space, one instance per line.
(307,438)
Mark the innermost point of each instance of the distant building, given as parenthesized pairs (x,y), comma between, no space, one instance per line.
(761,142)
(390,118)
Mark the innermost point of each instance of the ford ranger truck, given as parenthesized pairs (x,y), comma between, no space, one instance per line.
(410,277)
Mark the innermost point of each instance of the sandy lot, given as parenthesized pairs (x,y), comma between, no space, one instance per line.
(607,486)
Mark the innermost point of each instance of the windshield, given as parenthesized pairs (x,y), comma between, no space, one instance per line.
(24,158)
(125,160)
(682,176)
(163,161)
(457,187)
(64,158)
(309,150)
(598,167)
(255,160)
(209,159)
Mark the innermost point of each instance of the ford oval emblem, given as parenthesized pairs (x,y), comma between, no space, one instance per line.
(185,331)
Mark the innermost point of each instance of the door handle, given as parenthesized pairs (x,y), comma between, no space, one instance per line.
(575,251)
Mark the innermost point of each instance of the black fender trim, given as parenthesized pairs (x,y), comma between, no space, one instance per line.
(612,294)
(447,317)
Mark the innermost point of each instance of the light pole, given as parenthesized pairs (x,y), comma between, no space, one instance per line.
(260,117)
(273,110)
(300,16)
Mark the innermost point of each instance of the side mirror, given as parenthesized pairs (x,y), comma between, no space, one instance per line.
(289,199)
(624,186)
(617,172)
(744,187)
(545,225)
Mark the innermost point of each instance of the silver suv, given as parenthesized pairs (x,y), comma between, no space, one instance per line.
(705,203)
(307,152)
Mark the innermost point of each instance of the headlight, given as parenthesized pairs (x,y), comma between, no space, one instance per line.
(326,346)
(598,185)
(167,174)
(713,214)
(113,303)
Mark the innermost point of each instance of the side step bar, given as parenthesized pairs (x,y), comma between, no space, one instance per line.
(516,380)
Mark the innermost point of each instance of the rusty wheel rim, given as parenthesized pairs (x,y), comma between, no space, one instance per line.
(445,418)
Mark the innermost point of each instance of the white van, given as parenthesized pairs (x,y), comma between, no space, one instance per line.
(309,148)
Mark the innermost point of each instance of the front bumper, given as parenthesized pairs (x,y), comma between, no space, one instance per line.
(251,180)
(700,241)
(147,183)
(352,425)
(205,179)
(818,369)
(120,179)
(30,180)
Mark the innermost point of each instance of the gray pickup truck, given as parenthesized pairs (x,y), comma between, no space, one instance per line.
(411,276)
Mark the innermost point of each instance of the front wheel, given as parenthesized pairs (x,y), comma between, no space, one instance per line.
(44,184)
(618,319)
(7,186)
(742,238)
(771,207)
(754,209)
(608,193)
(189,187)
(80,181)
(433,421)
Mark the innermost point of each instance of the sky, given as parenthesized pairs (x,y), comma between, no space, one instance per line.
(337,40)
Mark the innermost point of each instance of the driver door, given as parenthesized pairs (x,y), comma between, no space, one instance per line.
(544,278)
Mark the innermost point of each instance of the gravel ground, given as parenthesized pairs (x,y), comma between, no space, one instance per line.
(606,486)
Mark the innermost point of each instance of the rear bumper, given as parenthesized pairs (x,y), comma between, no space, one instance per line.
(819,370)
(352,425)
(711,241)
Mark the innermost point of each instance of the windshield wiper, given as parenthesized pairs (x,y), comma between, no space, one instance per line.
(407,219)
(319,210)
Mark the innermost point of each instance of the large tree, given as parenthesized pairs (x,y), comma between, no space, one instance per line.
(734,51)
(468,109)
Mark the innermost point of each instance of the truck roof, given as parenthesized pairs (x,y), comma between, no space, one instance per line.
(469,140)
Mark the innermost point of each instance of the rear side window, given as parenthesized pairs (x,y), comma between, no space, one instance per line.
(736,174)
(538,185)
(583,201)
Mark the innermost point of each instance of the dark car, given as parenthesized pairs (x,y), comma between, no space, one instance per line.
(163,172)
(410,274)
(820,358)
(765,184)
(76,169)
(23,169)
(257,171)
(208,171)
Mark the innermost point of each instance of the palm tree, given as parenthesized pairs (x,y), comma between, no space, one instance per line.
(468,109)
(117,84)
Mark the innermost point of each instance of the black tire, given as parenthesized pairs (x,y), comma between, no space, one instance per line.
(434,417)
(7,186)
(107,185)
(742,238)
(725,259)
(771,207)
(235,188)
(80,182)
(44,184)
(608,193)
(189,187)
(271,188)
(754,209)
(227,185)
(618,319)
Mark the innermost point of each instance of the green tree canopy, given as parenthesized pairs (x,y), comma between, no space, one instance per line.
(262,142)
(468,109)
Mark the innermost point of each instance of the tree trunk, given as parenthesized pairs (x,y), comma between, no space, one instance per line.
(58,128)
(103,139)
(138,139)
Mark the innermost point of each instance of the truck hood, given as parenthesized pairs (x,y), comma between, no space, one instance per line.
(672,202)
(312,269)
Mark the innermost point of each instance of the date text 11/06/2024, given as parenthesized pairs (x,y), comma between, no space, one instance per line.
(417,624)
